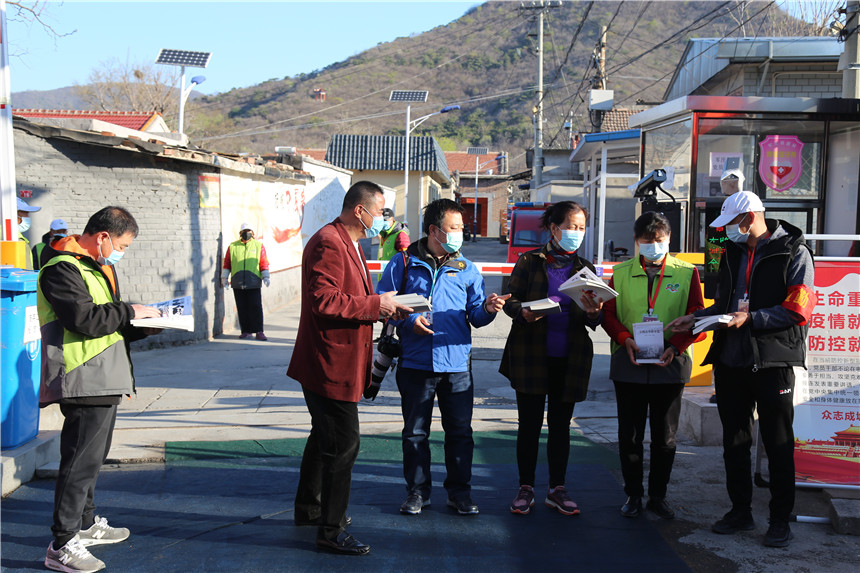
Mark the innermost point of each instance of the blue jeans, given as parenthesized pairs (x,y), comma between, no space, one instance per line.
(455,392)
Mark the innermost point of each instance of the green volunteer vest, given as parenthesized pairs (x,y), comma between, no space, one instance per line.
(386,249)
(78,349)
(631,282)
(37,255)
(246,257)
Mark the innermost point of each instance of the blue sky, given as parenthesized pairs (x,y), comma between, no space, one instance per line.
(251,42)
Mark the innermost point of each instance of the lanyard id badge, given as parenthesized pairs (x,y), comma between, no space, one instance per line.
(650,316)
(744,304)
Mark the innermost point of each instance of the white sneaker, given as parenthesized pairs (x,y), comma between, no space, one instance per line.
(72,557)
(102,534)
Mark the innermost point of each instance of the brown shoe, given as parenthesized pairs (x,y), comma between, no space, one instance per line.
(261,336)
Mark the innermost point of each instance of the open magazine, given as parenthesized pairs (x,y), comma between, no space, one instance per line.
(586,281)
(543,306)
(711,322)
(175,313)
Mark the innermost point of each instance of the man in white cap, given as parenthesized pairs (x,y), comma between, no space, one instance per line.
(766,284)
(246,269)
(59,229)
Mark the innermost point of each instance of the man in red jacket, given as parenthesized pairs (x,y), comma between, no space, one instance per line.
(332,361)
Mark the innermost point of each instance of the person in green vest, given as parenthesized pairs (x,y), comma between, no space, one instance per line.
(86,369)
(246,270)
(59,229)
(654,289)
(24,211)
(393,238)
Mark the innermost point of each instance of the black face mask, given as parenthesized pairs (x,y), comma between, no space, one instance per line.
(246,235)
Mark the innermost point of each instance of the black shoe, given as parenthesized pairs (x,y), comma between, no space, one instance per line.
(343,544)
(659,507)
(463,506)
(414,504)
(734,521)
(302,522)
(632,507)
(778,534)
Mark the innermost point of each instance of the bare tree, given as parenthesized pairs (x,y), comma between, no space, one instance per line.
(33,13)
(783,18)
(129,86)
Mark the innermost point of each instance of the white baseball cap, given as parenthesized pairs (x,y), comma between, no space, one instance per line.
(246,227)
(22,206)
(59,224)
(734,205)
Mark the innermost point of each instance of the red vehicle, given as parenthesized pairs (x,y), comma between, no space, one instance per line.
(524,230)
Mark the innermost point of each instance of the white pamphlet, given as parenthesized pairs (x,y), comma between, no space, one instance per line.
(649,339)
(175,313)
(543,306)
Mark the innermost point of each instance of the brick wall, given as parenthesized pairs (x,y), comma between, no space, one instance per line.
(178,251)
(795,80)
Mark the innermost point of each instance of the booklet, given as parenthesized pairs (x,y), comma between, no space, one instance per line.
(649,339)
(175,313)
(543,306)
(415,301)
(711,322)
(586,281)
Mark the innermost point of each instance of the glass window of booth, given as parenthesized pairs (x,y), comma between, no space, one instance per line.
(669,147)
(780,158)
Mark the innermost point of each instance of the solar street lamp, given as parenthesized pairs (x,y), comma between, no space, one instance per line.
(183,59)
(410,97)
(477,152)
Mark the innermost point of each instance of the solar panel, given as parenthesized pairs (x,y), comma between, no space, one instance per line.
(408,95)
(183,58)
(477,150)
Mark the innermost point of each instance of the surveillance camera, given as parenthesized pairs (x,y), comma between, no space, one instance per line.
(648,185)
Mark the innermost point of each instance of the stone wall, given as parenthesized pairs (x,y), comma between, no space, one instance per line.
(178,251)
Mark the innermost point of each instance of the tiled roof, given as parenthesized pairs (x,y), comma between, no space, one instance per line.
(131,119)
(318,154)
(465,163)
(616,120)
(385,153)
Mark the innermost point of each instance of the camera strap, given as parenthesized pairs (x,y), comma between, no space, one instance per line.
(403,281)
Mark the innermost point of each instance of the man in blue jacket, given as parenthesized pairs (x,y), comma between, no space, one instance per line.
(436,353)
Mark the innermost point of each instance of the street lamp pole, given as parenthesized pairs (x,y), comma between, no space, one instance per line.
(406,167)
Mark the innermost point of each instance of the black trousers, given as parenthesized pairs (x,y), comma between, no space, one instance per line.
(530,410)
(326,473)
(84,445)
(249,307)
(740,391)
(634,402)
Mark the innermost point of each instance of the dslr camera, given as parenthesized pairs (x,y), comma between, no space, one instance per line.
(387,349)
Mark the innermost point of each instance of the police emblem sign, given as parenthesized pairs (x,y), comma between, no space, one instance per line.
(781,161)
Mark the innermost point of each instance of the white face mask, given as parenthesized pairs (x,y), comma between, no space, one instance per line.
(654,251)
(733,232)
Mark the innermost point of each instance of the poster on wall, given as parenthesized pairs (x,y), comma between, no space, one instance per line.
(827,411)
(209,190)
(274,210)
(781,161)
(718,161)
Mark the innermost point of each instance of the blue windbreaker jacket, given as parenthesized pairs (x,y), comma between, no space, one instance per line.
(456,293)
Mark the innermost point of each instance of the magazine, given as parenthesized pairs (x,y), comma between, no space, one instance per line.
(714,322)
(649,339)
(543,306)
(586,281)
(175,313)
(415,301)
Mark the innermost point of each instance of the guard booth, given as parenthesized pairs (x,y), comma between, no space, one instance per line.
(799,155)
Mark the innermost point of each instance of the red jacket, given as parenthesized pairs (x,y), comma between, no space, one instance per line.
(334,344)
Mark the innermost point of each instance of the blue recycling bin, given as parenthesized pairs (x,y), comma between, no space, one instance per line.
(20,357)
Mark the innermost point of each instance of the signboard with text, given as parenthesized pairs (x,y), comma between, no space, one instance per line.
(827,411)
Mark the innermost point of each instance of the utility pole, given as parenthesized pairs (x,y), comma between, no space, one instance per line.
(601,60)
(851,52)
(541,7)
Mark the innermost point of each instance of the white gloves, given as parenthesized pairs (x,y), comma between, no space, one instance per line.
(266,278)
(225,278)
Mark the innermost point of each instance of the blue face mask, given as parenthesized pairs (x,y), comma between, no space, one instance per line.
(24,225)
(453,241)
(388,225)
(376,226)
(570,240)
(111,259)
(733,232)
(654,251)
